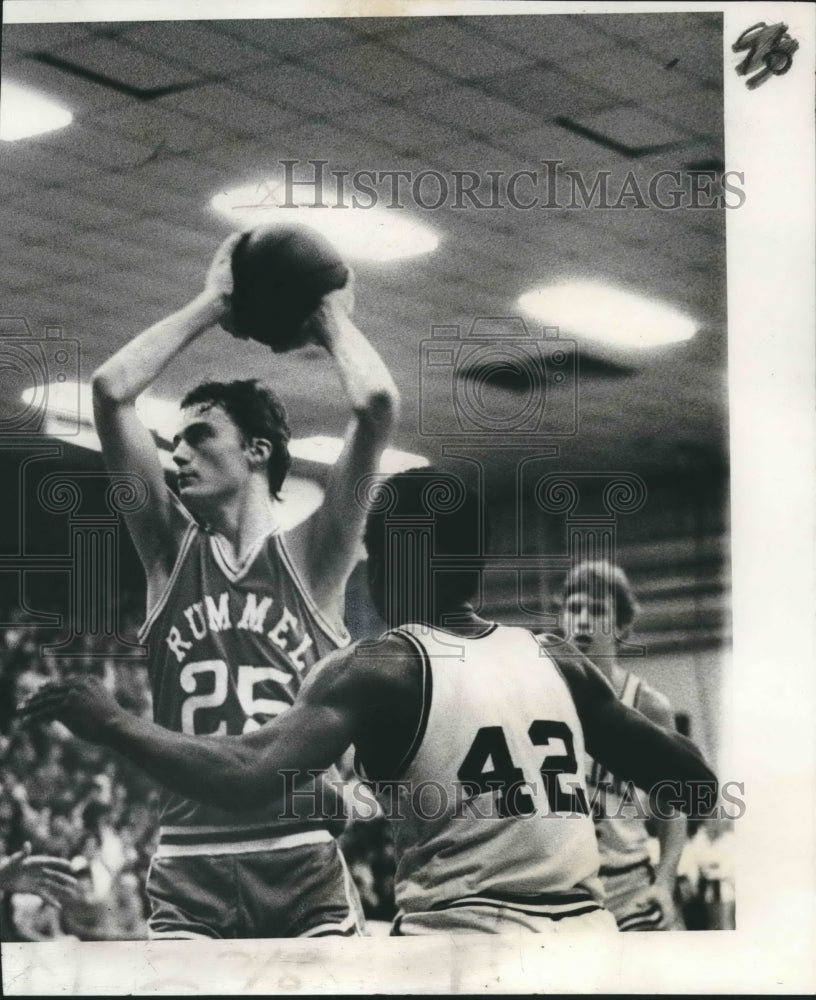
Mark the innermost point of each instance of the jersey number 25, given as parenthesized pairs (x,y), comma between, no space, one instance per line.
(247,680)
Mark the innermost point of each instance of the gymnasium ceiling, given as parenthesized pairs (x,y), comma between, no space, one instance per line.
(108,225)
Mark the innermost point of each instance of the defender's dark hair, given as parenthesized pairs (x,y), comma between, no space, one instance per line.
(441,498)
(257,413)
(601,577)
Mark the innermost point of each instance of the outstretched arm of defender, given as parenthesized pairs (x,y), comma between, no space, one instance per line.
(632,747)
(671,831)
(325,546)
(227,771)
(126,443)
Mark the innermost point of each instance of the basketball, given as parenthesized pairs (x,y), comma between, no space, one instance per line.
(280,273)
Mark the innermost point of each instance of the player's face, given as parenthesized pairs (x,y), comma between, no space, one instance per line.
(589,623)
(210,455)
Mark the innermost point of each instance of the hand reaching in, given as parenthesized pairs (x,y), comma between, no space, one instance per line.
(48,877)
(81,703)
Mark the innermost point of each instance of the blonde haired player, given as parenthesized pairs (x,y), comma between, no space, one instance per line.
(599,608)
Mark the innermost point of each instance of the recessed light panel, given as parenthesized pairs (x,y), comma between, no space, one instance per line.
(24,113)
(608,314)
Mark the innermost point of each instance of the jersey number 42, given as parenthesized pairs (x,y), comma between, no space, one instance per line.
(489,768)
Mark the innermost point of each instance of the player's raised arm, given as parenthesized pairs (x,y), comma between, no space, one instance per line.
(126,443)
(325,546)
(631,746)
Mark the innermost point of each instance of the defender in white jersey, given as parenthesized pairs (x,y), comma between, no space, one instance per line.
(473,735)
(599,609)
(500,745)
(237,613)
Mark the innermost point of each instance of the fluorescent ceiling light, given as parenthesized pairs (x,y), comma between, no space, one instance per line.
(608,314)
(24,113)
(366,233)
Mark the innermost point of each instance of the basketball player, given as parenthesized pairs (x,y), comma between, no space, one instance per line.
(475,731)
(238,612)
(599,606)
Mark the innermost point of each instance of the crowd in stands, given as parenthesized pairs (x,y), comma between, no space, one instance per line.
(72,800)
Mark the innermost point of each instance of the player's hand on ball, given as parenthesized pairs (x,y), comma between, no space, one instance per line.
(219,281)
(323,323)
(81,703)
(48,877)
(344,297)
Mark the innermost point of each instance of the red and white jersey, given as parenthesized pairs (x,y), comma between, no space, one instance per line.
(491,790)
(230,645)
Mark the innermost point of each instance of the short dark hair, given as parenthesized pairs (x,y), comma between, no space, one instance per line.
(257,413)
(455,512)
(598,577)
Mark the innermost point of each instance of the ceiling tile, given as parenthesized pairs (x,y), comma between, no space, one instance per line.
(660,28)
(698,111)
(554,142)
(125,64)
(301,88)
(374,26)
(628,73)
(197,45)
(400,128)
(158,127)
(542,36)
(219,102)
(41,37)
(450,47)
(632,127)
(375,70)
(471,111)
(547,93)
(289,36)
(194,178)
(32,161)
(105,150)
(85,211)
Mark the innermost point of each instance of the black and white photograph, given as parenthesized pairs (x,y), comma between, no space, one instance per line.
(406,425)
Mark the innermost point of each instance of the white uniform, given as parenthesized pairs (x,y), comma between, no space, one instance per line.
(496,834)
(623,840)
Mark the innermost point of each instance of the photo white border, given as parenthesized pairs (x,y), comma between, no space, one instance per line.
(771,266)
